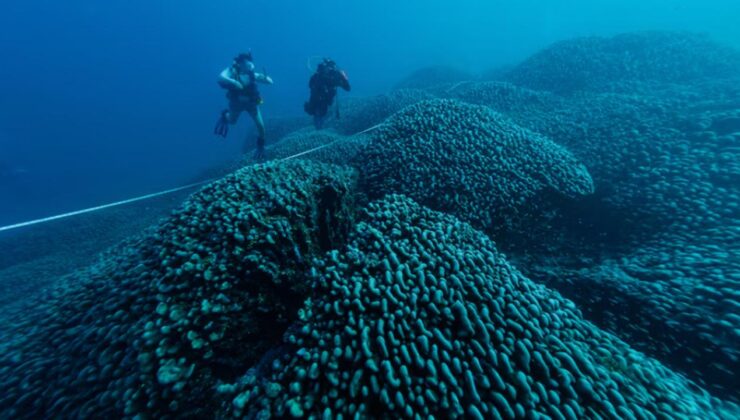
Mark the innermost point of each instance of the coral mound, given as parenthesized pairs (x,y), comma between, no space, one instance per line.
(429,77)
(504,97)
(358,114)
(326,146)
(596,63)
(467,160)
(420,315)
(151,330)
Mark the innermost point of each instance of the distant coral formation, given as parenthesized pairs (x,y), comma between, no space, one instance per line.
(595,63)
(358,115)
(430,77)
(327,146)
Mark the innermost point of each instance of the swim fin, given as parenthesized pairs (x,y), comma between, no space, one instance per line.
(259,152)
(222,125)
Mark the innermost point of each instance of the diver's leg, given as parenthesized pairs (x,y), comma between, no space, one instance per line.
(233,112)
(260,124)
(317,121)
(322,112)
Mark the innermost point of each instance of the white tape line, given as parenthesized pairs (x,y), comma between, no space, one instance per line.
(369,129)
(104,206)
(157,194)
(458,84)
(310,150)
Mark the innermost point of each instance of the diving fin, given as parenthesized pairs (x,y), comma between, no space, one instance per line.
(222,125)
(259,152)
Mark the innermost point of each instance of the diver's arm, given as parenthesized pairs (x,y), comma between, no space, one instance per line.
(263,78)
(344,81)
(225,78)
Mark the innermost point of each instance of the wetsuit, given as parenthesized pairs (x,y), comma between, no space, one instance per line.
(247,99)
(323,85)
(240,81)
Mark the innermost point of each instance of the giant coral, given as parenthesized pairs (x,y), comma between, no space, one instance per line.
(420,315)
(149,331)
(468,160)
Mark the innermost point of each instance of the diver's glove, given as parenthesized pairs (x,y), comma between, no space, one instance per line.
(259,152)
(222,125)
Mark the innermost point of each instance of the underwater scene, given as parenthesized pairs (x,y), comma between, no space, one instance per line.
(329,210)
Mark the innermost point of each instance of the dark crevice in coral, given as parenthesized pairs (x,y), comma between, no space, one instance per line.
(326,228)
(334,221)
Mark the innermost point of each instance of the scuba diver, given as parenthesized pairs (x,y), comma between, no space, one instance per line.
(240,81)
(323,85)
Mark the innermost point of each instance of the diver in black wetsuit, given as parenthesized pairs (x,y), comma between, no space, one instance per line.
(240,81)
(323,85)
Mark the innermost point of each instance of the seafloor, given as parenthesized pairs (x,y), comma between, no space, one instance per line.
(555,240)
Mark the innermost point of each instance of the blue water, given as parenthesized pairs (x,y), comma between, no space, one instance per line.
(100,101)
